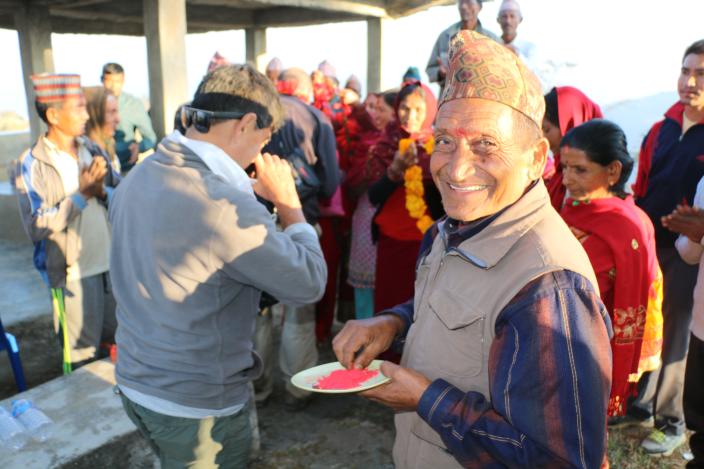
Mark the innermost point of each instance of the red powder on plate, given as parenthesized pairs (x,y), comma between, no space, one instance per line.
(345,379)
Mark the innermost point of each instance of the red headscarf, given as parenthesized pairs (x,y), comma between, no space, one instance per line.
(573,109)
(630,262)
(383,152)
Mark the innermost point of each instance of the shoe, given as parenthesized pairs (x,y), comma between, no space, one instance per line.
(626,421)
(294,404)
(659,443)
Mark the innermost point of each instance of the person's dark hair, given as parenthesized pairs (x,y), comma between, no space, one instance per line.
(409,89)
(695,48)
(603,142)
(42,108)
(389,97)
(551,112)
(112,68)
(239,88)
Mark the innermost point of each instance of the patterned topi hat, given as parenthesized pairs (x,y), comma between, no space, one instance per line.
(482,68)
(53,87)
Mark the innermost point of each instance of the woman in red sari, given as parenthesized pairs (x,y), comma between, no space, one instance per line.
(565,107)
(620,242)
(404,194)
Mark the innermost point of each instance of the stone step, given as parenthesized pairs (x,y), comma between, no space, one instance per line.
(87,416)
(91,429)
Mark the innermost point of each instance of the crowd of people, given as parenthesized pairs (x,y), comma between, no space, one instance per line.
(484,242)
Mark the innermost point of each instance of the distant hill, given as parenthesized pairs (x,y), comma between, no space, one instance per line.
(11,121)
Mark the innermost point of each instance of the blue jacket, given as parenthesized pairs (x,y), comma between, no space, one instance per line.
(669,167)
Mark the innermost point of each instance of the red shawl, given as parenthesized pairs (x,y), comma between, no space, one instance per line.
(631,262)
(382,153)
(573,109)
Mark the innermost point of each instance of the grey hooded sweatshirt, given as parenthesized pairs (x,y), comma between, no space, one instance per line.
(190,257)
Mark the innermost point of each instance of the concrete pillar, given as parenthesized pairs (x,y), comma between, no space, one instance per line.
(165,30)
(375,43)
(34,32)
(255,40)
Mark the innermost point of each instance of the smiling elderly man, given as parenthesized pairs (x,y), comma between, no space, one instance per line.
(506,360)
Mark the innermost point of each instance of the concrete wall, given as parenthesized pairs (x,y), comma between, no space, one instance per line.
(12,144)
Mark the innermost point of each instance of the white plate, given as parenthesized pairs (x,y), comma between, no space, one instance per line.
(306,379)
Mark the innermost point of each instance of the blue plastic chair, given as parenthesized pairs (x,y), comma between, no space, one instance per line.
(8,343)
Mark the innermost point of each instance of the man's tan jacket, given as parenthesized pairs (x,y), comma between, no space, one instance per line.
(458,297)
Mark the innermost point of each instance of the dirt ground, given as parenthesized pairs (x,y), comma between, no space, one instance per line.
(343,431)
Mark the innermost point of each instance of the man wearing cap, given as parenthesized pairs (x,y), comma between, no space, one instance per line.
(506,359)
(509,18)
(469,20)
(64,184)
(193,251)
(133,117)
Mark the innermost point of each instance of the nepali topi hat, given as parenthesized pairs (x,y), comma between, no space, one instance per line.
(54,87)
(483,68)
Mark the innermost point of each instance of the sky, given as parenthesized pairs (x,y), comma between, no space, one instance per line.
(613,50)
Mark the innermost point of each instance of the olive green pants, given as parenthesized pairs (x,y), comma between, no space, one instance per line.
(212,442)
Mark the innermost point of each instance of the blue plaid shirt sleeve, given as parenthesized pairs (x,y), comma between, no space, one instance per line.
(550,376)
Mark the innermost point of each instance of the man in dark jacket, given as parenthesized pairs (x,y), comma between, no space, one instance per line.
(671,164)
(307,141)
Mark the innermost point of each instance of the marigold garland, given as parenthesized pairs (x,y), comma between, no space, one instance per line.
(413,182)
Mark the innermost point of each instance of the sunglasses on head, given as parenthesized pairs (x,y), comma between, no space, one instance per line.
(201,119)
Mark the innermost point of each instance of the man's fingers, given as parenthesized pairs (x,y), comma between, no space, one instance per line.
(376,394)
(389,369)
(355,339)
(259,161)
(352,346)
(366,356)
(339,342)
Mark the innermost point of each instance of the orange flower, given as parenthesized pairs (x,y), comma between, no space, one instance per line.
(424,223)
(404,144)
(415,202)
(429,146)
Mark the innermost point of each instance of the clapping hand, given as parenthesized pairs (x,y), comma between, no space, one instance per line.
(442,69)
(90,178)
(686,220)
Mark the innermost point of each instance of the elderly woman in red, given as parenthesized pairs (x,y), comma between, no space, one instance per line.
(565,107)
(406,198)
(620,242)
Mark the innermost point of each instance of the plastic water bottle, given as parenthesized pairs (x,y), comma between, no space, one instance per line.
(12,434)
(37,424)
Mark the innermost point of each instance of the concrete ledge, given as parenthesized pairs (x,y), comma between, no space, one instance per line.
(87,416)
(10,222)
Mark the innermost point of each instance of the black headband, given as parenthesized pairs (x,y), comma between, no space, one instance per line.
(224,102)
